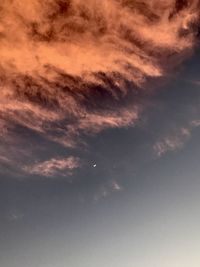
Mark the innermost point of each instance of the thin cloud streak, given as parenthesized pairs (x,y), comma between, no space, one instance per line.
(171,143)
(175,141)
(54,167)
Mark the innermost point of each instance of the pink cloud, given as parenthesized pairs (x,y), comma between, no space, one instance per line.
(54,166)
(71,67)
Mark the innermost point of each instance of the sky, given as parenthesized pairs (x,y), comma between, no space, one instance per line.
(99,133)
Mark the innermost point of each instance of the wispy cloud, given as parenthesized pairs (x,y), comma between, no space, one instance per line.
(72,67)
(172,142)
(107,189)
(15,216)
(54,167)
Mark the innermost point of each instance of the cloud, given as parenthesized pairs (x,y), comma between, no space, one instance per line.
(172,142)
(107,189)
(15,215)
(72,67)
(54,167)
(195,123)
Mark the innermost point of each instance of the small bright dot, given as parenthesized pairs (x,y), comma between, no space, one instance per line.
(94,165)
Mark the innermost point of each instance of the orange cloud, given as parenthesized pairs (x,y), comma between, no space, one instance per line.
(54,166)
(71,66)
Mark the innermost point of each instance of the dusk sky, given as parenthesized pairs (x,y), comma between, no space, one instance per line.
(99,133)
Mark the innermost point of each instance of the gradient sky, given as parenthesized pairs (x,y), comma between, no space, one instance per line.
(99,142)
